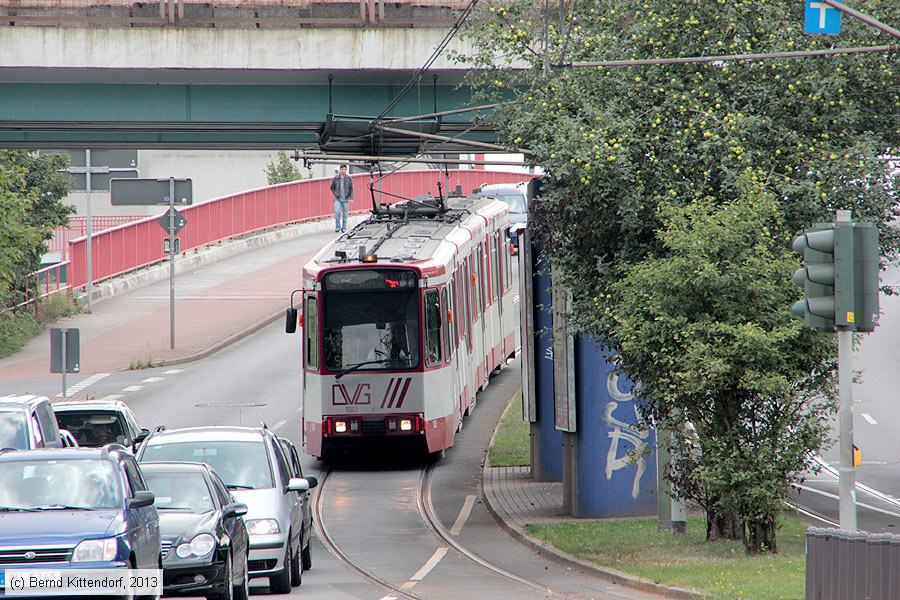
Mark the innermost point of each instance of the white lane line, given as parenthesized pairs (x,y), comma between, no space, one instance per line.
(388,598)
(133,388)
(426,568)
(869,418)
(464,513)
(173,371)
(74,389)
(152,379)
(280,424)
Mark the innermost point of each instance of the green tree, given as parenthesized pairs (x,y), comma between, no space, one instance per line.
(282,169)
(704,329)
(32,190)
(619,143)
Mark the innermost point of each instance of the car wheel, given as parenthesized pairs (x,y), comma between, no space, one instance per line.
(306,556)
(228,589)
(296,571)
(242,590)
(281,583)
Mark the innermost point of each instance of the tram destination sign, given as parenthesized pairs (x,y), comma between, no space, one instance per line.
(355,280)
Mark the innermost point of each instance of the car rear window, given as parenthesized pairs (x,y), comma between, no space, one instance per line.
(241,465)
(93,428)
(13,433)
(180,491)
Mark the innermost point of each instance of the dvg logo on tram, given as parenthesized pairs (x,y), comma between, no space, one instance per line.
(394,395)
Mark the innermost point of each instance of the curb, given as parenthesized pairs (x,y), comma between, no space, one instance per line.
(566,559)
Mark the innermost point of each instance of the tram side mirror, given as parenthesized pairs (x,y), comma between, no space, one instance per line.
(290,322)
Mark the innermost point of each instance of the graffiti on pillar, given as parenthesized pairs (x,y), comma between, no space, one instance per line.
(626,434)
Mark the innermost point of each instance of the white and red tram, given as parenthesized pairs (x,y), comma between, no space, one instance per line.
(404,318)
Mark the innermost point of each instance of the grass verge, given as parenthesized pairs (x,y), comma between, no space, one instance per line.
(16,328)
(512,446)
(721,570)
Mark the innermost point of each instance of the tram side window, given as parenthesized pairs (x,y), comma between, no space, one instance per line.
(495,262)
(508,262)
(445,304)
(432,328)
(311,329)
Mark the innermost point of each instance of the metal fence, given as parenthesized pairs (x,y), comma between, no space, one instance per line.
(138,244)
(852,565)
(77,227)
(277,14)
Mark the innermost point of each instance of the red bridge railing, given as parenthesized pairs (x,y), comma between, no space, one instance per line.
(138,244)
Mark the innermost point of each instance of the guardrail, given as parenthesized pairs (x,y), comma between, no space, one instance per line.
(278,14)
(77,227)
(139,244)
(48,281)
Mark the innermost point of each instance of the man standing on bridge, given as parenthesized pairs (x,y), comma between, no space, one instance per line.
(342,188)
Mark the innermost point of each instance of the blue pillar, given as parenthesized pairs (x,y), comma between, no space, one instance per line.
(546,440)
(607,482)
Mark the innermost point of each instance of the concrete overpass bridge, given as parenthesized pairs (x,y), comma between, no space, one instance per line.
(232,74)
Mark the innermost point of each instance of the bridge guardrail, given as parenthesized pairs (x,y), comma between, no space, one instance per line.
(279,14)
(138,244)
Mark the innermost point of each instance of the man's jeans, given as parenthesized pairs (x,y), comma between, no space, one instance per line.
(341,214)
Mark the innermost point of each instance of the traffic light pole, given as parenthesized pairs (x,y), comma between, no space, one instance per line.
(847,471)
(171,263)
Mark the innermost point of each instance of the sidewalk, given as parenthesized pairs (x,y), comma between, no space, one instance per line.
(515,499)
(217,303)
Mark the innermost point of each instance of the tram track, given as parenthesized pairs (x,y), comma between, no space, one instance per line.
(434,525)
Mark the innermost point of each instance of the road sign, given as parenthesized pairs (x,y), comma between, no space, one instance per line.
(821,18)
(180,221)
(167,245)
(148,191)
(71,351)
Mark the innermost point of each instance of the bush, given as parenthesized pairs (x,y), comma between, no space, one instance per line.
(17,328)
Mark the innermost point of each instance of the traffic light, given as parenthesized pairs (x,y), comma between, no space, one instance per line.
(839,276)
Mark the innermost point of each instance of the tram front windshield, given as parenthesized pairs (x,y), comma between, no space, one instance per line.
(371,319)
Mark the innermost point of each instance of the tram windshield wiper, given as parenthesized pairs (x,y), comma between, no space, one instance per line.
(353,367)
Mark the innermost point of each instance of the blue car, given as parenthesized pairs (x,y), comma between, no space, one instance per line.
(83,508)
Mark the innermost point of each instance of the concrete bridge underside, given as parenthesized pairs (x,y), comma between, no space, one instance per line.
(214,88)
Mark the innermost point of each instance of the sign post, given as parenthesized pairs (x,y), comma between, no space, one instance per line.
(65,353)
(159,191)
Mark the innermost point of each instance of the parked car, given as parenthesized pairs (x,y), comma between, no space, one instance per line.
(205,545)
(27,422)
(515,196)
(75,508)
(252,463)
(95,423)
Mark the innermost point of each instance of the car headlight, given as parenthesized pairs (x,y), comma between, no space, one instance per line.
(95,550)
(201,545)
(262,526)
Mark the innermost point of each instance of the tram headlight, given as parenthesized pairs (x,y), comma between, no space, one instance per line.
(405,424)
(340,426)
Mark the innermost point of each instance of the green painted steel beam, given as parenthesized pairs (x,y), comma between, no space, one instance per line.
(198,116)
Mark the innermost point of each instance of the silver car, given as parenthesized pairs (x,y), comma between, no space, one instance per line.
(252,463)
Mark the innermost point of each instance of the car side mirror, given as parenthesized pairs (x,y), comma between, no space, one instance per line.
(298,484)
(141,499)
(313,482)
(140,437)
(235,509)
(290,321)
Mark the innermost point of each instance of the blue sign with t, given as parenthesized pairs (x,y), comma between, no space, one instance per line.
(821,18)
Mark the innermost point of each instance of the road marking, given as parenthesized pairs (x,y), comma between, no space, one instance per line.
(152,379)
(464,513)
(280,424)
(173,371)
(133,388)
(111,398)
(869,418)
(426,568)
(74,389)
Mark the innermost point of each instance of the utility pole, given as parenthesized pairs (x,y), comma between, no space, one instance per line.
(847,470)
(172,263)
(89,223)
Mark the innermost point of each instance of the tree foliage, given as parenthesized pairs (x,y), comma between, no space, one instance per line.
(31,206)
(282,169)
(626,147)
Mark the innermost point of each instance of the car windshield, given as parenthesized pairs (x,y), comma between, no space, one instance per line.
(57,484)
(185,491)
(516,203)
(241,465)
(93,428)
(13,433)
(371,319)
